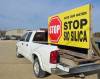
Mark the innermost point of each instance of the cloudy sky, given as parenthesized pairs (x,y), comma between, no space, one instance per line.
(33,14)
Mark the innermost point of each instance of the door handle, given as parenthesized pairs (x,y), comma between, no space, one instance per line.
(22,43)
(26,44)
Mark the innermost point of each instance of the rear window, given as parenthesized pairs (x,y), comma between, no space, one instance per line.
(41,36)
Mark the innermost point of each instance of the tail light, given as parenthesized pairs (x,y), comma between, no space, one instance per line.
(54,57)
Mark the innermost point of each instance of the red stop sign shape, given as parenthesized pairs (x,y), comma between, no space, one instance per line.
(55,29)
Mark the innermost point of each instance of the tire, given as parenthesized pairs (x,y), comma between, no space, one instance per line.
(17,54)
(38,72)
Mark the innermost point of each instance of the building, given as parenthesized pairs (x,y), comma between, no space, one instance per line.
(15,33)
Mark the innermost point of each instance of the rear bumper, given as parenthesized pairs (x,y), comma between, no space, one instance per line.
(60,70)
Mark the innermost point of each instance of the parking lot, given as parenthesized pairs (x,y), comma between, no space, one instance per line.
(14,68)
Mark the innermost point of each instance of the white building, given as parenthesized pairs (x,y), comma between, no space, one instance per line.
(15,32)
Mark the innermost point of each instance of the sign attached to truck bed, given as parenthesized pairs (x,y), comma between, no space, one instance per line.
(71,28)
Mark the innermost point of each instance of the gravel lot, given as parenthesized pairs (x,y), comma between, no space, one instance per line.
(14,68)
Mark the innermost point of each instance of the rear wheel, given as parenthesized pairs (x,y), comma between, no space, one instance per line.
(37,69)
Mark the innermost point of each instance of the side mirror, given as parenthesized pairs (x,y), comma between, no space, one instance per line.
(21,39)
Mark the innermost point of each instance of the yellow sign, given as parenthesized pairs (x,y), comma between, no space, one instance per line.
(71,28)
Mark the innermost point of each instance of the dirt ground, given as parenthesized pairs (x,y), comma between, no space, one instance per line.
(14,68)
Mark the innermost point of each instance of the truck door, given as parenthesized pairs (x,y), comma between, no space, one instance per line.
(21,44)
(26,46)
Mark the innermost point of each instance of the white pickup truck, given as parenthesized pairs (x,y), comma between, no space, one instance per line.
(46,58)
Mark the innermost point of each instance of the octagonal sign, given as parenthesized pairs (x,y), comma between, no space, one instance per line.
(55,29)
